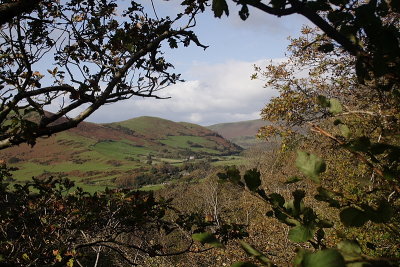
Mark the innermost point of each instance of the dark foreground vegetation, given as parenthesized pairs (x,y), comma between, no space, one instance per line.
(325,194)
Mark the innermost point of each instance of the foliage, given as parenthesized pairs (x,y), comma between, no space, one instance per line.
(366,30)
(93,57)
(45,222)
(351,97)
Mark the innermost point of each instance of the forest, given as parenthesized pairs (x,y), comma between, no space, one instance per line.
(323,190)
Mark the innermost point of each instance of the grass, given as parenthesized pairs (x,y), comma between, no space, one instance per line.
(100,181)
(229,160)
(185,142)
(120,149)
(154,187)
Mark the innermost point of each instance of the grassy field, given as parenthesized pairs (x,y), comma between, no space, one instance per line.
(120,149)
(98,156)
(97,175)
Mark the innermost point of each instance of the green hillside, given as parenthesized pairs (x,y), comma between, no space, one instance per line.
(100,155)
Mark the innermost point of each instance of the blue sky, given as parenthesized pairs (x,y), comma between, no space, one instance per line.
(218,87)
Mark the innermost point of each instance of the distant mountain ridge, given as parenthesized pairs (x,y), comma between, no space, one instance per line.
(242,133)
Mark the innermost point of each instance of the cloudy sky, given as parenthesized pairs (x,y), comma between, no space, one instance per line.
(218,87)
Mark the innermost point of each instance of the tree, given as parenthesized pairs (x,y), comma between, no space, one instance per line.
(47,223)
(74,55)
(369,31)
(353,90)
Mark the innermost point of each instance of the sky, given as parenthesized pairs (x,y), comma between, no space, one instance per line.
(217,87)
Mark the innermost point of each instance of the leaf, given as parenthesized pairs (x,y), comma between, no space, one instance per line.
(326,196)
(344,129)
(334,106)
(269,213)
(325,223)
(353,217)
(326,48)
(300,233)
(324,258)
(350,248)
(360,144)
(219,7)
(277,199)
(207,238)
(244,12)
(310,165)
(291,208)
(298,259)
(383,214)
(295,206)
(255,253)
(323,101)
(25,257)
(337,122)
(252,179)
(293,179)
(243,264)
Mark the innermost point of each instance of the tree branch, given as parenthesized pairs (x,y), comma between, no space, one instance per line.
(8,11)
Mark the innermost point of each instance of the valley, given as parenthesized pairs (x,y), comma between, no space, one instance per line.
(144,152)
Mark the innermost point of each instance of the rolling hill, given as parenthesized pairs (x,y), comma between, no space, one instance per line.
(97,154)
(242,133)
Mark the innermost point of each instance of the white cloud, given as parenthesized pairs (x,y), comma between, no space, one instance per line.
(214,94)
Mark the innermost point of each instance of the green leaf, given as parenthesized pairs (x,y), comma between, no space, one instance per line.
(323,101)
(310,165)
(325,223)
(326,196)
(337,122)
(207,238)
(353,217)
(293,179)
(277,199)
(243,264)
(219,7)
(344,129)
(334,106)
(25,257)
(324,258)
(320,234)
(383,214)
(300,233)
(269,213)
(298,259)
(295,206)
(360,144)
(292,209)
(350,249)
(255,253)
(252,179)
